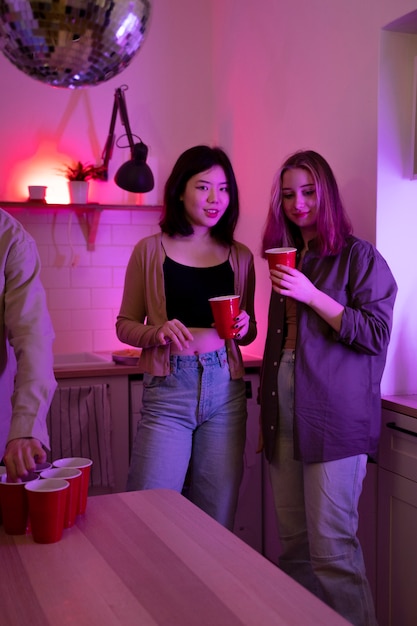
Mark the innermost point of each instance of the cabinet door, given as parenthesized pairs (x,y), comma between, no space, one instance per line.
(397,550)
(105,445)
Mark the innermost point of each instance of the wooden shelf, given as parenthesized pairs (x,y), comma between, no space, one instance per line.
(88,215)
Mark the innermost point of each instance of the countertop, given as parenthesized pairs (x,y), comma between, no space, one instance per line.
(406,404)
(115,369)
(151,558)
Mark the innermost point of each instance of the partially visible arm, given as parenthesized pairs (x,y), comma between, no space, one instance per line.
(139,288)
(246,287)
(29,331)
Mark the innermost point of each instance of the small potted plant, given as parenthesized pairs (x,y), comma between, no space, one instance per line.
(78,175)
(79,171)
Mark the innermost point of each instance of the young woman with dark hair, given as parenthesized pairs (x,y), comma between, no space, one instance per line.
(194,406)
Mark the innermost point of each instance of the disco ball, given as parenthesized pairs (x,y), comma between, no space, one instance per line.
(72,43)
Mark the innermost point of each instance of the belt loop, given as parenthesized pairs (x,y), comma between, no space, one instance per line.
(222,357)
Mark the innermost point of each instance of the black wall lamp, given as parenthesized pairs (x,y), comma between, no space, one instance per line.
(135,175)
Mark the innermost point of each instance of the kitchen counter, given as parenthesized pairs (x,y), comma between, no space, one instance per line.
(110,368)
(406,404)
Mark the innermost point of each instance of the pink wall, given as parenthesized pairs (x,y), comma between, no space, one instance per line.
(260,78)
(170,106)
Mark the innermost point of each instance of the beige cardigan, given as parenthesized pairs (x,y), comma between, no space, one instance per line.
(143,309)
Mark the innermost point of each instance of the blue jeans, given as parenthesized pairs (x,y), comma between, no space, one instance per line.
(317,514)
(193,420)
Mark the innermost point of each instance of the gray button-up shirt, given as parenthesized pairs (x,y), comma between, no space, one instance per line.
(337,376)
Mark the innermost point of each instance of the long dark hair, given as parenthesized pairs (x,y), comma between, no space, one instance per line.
(333,224)
(191,162)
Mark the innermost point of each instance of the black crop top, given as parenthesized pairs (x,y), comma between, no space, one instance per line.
(187,290)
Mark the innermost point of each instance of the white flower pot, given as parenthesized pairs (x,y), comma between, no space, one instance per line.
(78,191)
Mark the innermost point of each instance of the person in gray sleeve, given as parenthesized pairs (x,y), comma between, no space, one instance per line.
(329,327)
(27,381)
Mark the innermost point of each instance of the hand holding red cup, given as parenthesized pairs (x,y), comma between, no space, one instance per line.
(225,309)
(281,256)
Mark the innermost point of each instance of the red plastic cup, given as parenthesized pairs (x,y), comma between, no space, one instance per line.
(225,309)
(40,467)
(73,476)
(14,504)
(282,256)
(47,500)
(85,466)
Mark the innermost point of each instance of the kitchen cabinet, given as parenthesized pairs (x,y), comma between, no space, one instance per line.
(397,520)
(64,419)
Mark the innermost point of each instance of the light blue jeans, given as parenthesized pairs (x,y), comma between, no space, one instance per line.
(317,514)
(193,420)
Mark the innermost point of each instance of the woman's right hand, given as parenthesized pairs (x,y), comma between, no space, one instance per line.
(174,331)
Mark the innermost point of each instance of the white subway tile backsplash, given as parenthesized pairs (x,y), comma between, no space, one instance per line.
(91,277)
(109,298)
(43,254)
(61,320)
(74,341)
(106,340)
(84,288)
(104,235)
(126,234)
(71,233)
(118,276)
(69,299)
(144,216)
(97,319)
(115,217)
(53,277)
(112,256)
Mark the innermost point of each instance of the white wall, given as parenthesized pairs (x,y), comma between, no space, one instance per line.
(397,200)
(262,78)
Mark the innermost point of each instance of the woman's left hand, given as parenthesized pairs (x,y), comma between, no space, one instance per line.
(241,324)
(292,283)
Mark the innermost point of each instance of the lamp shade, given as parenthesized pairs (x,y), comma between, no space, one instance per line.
(135,175)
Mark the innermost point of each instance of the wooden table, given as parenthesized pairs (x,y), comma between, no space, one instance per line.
(148,558)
